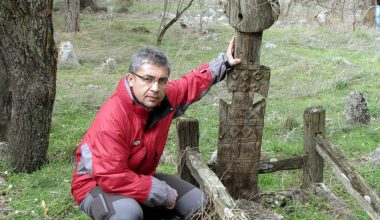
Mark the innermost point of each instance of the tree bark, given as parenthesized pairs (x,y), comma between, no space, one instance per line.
(5,102)
(72,15)
(30,57)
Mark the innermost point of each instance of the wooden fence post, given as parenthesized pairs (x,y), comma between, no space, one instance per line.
(187,132)
(314,124)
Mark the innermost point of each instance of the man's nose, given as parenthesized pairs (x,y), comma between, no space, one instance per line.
(154,86)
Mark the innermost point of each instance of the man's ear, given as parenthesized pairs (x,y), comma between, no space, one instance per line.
(130,79)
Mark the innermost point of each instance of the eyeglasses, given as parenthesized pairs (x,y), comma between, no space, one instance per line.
(150,80)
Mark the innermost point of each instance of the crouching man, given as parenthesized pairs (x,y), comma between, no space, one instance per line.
(116,160)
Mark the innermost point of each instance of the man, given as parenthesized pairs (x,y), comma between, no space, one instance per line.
(115,174)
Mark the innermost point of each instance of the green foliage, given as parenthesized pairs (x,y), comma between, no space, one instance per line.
(310,66)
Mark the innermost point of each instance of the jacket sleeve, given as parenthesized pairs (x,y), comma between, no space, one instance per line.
(194,85)
(110,169)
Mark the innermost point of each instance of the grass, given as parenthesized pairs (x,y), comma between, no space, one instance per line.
(308,69)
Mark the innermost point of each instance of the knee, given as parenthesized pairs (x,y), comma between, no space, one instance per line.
(191,202)
(127,209)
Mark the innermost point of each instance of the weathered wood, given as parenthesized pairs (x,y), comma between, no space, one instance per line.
(350,178)
(224,204)
(242,121)
(187,134)
(314,123)
(252,15)
(290,163)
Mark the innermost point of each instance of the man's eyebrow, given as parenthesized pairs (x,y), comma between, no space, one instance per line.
(149,75)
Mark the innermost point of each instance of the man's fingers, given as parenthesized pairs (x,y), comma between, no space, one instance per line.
(231,46)
(234,62)
(230,53)
(172,205)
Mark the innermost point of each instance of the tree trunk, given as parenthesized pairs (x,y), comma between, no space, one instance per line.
(5,102)
(28,51)
(72,16)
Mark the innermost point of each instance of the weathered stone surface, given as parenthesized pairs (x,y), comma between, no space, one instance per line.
(109,66)
(356,108)
(374,157)
(322,17)
(185,22)
(67,56)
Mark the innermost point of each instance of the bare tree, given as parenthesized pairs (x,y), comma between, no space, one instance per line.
(202,12)
(71,15)
(165,26)
(28,57)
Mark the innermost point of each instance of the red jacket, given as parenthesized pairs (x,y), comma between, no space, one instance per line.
(121,149)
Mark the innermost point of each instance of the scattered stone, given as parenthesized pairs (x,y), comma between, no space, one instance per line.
(140,30)
(109,66)
(110,9)
(273,160)
(374,157)
(321,17)
(185,22)
(211,13)
(213,157)
(270,45)
(207,20)
(356,108)
(67,57)
(222,19)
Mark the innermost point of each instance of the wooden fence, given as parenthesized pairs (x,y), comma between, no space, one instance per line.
(317,151)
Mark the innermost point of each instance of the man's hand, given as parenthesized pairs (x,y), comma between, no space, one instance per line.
(230,53)
(172,203)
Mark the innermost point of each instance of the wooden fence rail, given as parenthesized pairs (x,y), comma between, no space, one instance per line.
(317,151)
(192,168)
(350,178)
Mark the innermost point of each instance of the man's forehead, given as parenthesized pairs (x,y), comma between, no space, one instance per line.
(154,70)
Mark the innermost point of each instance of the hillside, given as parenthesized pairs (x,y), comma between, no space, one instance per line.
(312,65)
